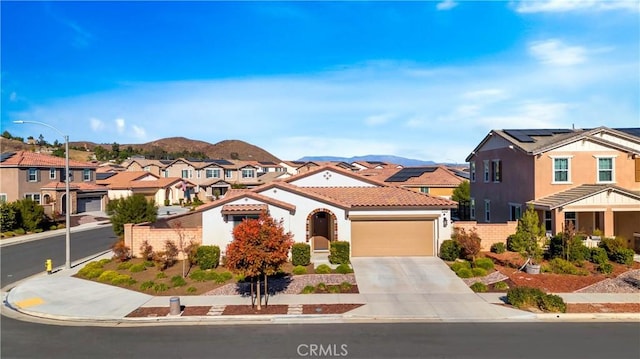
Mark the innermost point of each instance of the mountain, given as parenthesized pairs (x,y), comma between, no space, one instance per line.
(227,149)
(407,162)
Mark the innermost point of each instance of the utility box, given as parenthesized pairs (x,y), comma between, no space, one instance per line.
(174,306)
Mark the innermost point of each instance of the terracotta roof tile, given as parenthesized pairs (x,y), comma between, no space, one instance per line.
(125,177)
(82,186)
(390,196)
(243,208)
(32,159)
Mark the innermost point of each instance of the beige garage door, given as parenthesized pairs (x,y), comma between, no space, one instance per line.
(391,238)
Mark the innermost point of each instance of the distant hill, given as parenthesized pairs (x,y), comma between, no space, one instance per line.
(227,149)
(407,162)
(7,145)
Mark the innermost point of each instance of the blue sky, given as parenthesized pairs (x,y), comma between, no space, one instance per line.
(423,80)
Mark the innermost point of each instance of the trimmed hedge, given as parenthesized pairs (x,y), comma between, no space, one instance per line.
(449,250)
(300,254)
(339,252)
(208,257)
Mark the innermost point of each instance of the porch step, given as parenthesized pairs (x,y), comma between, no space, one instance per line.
(216,309)
(295,309)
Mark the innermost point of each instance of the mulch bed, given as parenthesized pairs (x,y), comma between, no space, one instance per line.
(200,310)
(248,310)
(149,312)
(328,308)
(603,308)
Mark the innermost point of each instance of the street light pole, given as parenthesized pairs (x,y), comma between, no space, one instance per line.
(66,188)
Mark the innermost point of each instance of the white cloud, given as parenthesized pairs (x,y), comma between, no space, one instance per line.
(377,120)
(120,126)
(139,132)
(574,5)
(96,124)
(555,52)
(446,5)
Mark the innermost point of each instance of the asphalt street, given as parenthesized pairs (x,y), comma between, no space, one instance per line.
(23,260)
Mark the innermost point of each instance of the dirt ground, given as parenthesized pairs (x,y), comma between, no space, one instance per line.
(151,312)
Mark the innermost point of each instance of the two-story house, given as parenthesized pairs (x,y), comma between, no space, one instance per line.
(434,180)
(41,177)
(589,177)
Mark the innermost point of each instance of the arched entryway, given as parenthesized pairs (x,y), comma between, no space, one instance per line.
(322,228)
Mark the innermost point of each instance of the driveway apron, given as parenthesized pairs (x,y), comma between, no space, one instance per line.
(420,288)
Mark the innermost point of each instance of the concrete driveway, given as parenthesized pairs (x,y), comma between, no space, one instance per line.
(421,288)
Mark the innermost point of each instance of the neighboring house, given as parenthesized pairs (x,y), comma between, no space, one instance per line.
(155,167)
(434,180)
(327,204)
(378,165)
(163,190)
(589,177)
(41,177)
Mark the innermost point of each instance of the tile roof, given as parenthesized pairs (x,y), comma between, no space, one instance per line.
(577,193)
(234,194)
(82,186)
(243,208)
(32,159)
(439,176)
(348,173)
(123,178)
(390,196)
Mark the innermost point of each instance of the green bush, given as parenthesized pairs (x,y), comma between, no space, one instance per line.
(161,275)
(107,276)
(198,275)
(104,261)
(178,281)
(577,250)
(344,269)
(612,245)
(53,227)
(516,243)
(605,268)
(464,273)
(498,248)
(479,287)
(192,290)
(323,269)
(298,270)
(208,257)
(501,286)
(123,279)
(478,272)
(20,231)
(623,256)
(552,303)
(449,250)
(321,287)
(599,255)
(484,263)
(339,252)
(160,287)
(223,277)
(124,265)
(38,230)
(300,254)
(147,285)
(459,265)
(91,270)
(561,266)
(345,286)
(148,264)
(29,214)
(8,234)
(308,289)
(136,268)
(526,297)
(8,217)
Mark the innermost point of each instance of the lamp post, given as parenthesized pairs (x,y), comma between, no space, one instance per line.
(66,187)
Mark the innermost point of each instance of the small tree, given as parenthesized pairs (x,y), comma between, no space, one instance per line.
(133,209)
(8,220)
(462,193)
(259,247)
(469,242)
(185,245)
(30,215)
(530,232)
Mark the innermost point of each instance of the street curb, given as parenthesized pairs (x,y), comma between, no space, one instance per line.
(585,316)
(48,234)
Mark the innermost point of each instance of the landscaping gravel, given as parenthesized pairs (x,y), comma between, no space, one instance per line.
(286,285)
(628,282)
(494,277)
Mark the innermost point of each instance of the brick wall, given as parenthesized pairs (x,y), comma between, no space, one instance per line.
(135,235)
(489,233)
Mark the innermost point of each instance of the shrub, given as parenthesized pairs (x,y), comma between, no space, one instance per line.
(8,234)
(124,265)
(123,279)
(526,297)
(222,277)
(501,286)
(344,269)
(623,256)
(552,303)
(605,268)
(29,214)
(132,209)
(561,266)
(136,268)
(339,252)
(469,242)
(120,251)
(146,251)
(321,287)
(8,217)
(91,270)
(192,290)
(104,261)
(19,231)
(53,227)
(147,285)
(148,263)
(167,202)
(308,289)
(484,263)
(298,270)
(516,243)
(345,286)
(161,275)
(107,276)
(37,230)
(171,252)
(300,254)
(208,257)
(498,248)
(479,272)
(612,245)
(323,269)
(479,287)
(334,289)
(178,281)
(458,265)
(599,255)
(160,287)
(464,273)
(198,275)
(449,250)
(577,250)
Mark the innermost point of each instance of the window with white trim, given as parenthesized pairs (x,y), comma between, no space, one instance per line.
(605,169)
(472,208)
(3,198)
(472,170)
(86,175)
(33,196)
(228,173)
(561,170)
(486,171)
(515,211)
(487,210)
(212,173)
(424,189)
(496,171)
(187,174)
(32,175)
(248,173)
(52,173)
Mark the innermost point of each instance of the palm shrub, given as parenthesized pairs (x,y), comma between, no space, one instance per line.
(300,254)
(449,250)
(339,252)
(208,257)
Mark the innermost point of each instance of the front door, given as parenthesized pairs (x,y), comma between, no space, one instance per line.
(320,231)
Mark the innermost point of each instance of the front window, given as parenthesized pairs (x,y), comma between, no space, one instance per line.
(515,212)
(32,175)
(496,170)
(472,208)
(487,210)
(86,175)
(212,173)
(3,198)
(33,196)
(561,170)
(238,219)
(472,167)
(52,173)
(248,173)
(570,220)
(185,174)
(547,221)
(228,173)
(424,189)
(605,169)
(147,169)
(486,171)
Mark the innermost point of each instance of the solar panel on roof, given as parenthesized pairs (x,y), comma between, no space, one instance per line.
(104,175)
(267,163)
(629,131)
(222,162)
(519,135)
(5,156)
(406,173)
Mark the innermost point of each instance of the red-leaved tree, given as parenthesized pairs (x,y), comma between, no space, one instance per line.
(259,247)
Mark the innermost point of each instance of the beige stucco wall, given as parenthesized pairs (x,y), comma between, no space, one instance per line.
(626,224)
(135,235)
(489,233)
(9,184)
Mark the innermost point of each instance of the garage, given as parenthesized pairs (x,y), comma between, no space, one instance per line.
(392,237)
(89,204)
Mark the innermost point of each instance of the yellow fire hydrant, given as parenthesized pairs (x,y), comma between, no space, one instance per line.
(48,266)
